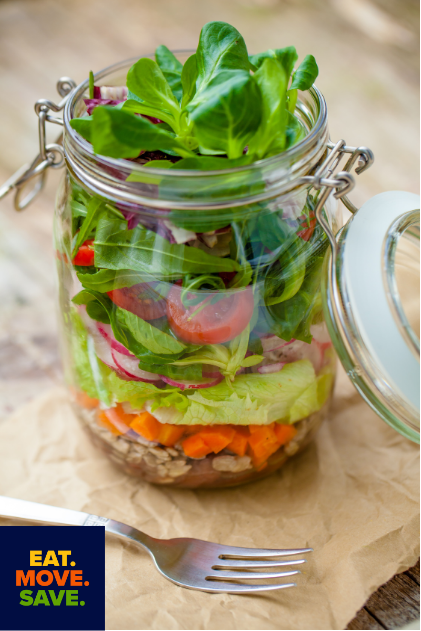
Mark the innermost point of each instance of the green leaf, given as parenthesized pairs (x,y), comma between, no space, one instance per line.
(96,311)
(179,373)
(295,131)
(161,164)
(270,137)
(138,107)
(149,336)
(146,79)
(285,277)
(171,69)
(229,113)
(107,279)
(188,80)
(221,47)
(88,223)
(91,84)
(91,374)
(145,251)
(208,163)
(306,74)
(118,134)
(286,56)
(83,126)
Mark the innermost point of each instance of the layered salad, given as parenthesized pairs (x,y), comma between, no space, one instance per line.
(197,344)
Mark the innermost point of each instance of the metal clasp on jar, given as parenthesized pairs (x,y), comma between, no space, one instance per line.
(50,155)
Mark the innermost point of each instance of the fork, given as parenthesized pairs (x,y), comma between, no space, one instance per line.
(191,563)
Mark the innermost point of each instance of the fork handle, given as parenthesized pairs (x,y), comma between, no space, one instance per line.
(22,509)
(32,511)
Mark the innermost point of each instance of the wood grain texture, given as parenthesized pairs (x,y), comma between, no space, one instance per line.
(368,56)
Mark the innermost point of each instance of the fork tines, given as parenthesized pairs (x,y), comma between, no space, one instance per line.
(240,564)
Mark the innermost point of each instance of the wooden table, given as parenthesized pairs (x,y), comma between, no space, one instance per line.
(367,52)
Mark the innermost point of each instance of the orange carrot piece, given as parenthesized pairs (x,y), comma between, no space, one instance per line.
(255,428)
(217,437)
(146,425)
(195,447)
(170,434)
(238,445)
(104,421)
(263,443)
(284,433)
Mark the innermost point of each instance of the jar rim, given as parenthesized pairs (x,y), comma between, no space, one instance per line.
(285,170)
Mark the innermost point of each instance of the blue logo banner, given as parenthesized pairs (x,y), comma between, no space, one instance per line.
(52,578)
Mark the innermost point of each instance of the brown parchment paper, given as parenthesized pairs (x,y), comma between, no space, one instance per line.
(353,496)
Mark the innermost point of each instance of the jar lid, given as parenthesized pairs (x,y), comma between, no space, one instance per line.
(364,312)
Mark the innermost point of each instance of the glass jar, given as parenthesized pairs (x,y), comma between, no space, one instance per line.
(195,350)
(195,327)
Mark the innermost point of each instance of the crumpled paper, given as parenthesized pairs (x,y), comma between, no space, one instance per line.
(352,495)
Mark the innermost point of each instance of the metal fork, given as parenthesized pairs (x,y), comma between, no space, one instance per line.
(191,563)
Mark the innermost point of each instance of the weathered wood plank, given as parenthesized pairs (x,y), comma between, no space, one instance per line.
(364,620)
(396,603)
(414,573)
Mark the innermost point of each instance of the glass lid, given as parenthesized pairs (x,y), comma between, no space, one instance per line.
(371,302)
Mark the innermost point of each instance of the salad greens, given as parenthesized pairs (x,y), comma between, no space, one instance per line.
(221,102)
(204,318)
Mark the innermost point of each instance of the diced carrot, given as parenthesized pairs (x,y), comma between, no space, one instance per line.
(284,433)
(170,434)
(256,428)
(104,421)
(146,425)
(217,437)
(85,401)
(195,447)
(263,443)
(238,445)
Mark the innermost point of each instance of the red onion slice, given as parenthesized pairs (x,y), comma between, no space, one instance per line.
(107,333)
(129,367)
(269,368)
(187,385)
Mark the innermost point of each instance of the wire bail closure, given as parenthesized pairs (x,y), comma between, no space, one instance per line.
(50,155)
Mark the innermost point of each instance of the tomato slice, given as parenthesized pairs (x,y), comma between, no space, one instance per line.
(133,299)
(85,254)
(213,323)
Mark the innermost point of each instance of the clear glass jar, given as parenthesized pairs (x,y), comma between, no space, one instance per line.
(195,350)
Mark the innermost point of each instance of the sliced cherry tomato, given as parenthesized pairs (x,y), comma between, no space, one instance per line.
(210,323)
(135,299)
(85,254)
(308,226)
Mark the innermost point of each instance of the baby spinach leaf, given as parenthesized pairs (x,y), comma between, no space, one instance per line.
(96,311)
(83,126)
(89,222)
(306,74)
(221,47)
(107,279)
(294,130)
(146,79)
(145,251)
(119,134)
(270,137)
(188,80)
(286,56)
(229,113)
(171,69)
(139,107)
(149,336)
